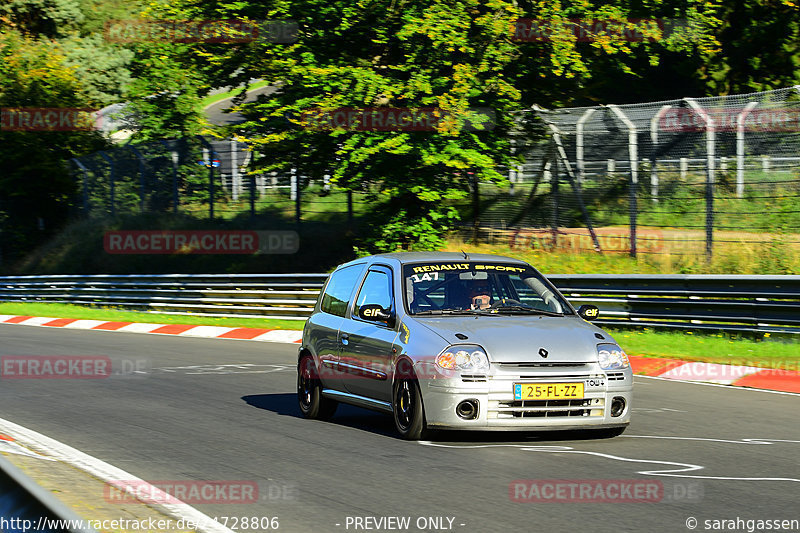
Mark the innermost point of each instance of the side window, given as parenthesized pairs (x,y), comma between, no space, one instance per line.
(338,290)
(377,289)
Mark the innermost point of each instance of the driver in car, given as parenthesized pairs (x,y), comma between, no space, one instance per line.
(480,295)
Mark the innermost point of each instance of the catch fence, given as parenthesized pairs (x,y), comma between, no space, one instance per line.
(690,176)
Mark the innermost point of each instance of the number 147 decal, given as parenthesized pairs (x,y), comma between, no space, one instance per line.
(427,276)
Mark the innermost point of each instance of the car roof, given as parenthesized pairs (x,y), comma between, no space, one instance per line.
(404,258)
(418,257)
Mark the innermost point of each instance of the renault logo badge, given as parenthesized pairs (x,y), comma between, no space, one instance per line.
(543,352)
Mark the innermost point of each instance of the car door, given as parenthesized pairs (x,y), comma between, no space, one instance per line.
(323,329)
(365,359)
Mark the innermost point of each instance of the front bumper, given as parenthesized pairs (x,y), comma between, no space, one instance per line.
(497,408)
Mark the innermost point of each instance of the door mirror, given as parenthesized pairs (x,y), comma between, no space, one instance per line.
(375,312)
(588,312)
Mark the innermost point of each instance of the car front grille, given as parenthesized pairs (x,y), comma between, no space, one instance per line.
(541,364)
(547,408)
(615,376)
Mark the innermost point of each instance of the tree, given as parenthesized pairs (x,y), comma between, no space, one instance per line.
(36,188)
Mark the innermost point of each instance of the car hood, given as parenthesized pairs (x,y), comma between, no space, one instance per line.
(513,339)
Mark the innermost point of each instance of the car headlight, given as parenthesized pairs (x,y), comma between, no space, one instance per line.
(463,357)
(611,357)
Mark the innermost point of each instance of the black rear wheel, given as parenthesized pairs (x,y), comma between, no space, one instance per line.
(309,391)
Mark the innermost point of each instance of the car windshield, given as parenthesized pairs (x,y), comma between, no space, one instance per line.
(479,287)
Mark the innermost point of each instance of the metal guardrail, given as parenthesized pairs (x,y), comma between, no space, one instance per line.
(283,296)
(714,302)
(25,506)
(711,302)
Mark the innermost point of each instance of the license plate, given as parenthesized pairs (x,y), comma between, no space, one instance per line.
(548,391)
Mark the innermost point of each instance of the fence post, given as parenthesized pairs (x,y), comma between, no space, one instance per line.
(236,180)
(349,206)
(512,170)
(295,195)
(554,196)
(110,181)
(84,184)
(710,138)
(740,118)
(579,143)
(175,157)
(212,156)
(654,141)
(560,153)
(140,158)
(476,207)
(634,175)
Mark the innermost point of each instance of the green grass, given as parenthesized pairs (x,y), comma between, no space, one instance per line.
(713,348)
(723,348)
(115,314)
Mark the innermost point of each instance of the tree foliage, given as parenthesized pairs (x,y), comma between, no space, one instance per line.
(451,55)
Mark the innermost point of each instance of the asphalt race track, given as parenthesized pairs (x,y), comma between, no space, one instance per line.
(188,417)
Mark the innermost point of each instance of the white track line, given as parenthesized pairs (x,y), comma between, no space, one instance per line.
(108,473)
(727,387)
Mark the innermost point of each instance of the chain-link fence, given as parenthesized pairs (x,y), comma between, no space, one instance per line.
(684,177)
(677,177)
(211,178)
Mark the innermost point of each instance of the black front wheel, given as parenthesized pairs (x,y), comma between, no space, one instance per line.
(409,413)
(309,392)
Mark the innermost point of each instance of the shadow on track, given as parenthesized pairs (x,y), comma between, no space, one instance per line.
(382,424)
(346,415)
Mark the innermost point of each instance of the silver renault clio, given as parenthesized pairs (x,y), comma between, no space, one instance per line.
(460,341)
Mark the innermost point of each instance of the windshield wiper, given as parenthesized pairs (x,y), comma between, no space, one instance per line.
(521,309)
(444,312)
(456,312)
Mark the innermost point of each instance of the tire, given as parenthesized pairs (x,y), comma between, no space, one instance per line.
(409,413)
(309,392)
